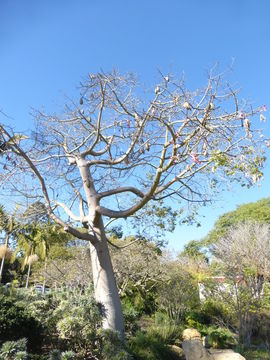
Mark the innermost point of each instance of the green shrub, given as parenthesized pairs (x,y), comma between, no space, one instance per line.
(150,346)
(112,348)
(220,338)
(14,350)
(57,355)
(16,322)
(256,354)
(67,355)
(131,316)
(78,319)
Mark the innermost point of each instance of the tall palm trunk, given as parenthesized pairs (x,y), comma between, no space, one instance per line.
(2,267)
(44,276)
(29,270)
(3,258)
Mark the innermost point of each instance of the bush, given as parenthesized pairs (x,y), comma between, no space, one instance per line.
(78,319)
(16,323)
(149,346)
(14,350)
(112,348)
(256,354)
(220,338)
(57,355)
(131,316)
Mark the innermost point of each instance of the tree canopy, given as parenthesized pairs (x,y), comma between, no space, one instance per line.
(258,211)
(117,150)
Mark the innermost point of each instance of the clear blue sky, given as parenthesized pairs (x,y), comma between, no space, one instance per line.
(46,47)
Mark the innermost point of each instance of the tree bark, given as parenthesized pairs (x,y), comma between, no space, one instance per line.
(106,292)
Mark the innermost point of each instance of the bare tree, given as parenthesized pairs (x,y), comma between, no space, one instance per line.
(119,148)
(244,254)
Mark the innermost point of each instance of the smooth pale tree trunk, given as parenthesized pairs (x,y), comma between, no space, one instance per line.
(3,258)
(106,292)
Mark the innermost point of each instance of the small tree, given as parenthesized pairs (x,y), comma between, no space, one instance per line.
(179,294)
(244,254)
(117,149)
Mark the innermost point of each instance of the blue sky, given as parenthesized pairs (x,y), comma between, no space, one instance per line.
(47,47)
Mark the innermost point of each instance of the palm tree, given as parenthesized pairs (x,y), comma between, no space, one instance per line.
(28,243)
(34,242)
(10,227)
(36,236)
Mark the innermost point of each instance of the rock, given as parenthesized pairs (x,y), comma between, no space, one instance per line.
(177,351)
(191,334)
(194,350)
(225,355)
(193,347)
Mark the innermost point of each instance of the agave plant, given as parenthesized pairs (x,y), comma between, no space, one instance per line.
(14,350)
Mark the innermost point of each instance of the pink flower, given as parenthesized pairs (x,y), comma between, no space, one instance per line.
(174,158)
(241,115)
(263,108)
(195,158)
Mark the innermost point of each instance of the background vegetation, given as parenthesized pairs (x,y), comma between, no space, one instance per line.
(218,285)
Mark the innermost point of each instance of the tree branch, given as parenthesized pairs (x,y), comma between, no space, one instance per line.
(121,190)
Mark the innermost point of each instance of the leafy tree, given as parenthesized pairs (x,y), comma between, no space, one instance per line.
(244,255)
(138,271)
(194,250)
(118,151)
(179,294)
(258,211)
(37,234)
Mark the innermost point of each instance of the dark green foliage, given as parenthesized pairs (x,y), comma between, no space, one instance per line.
(261,329)
(220,338)
(258,211)
(13,271)
(131,316)
(112,348)
(57,355)
(260,354)
(16,322)
(150,346)
(179,295)
(194,250)
(141,300)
